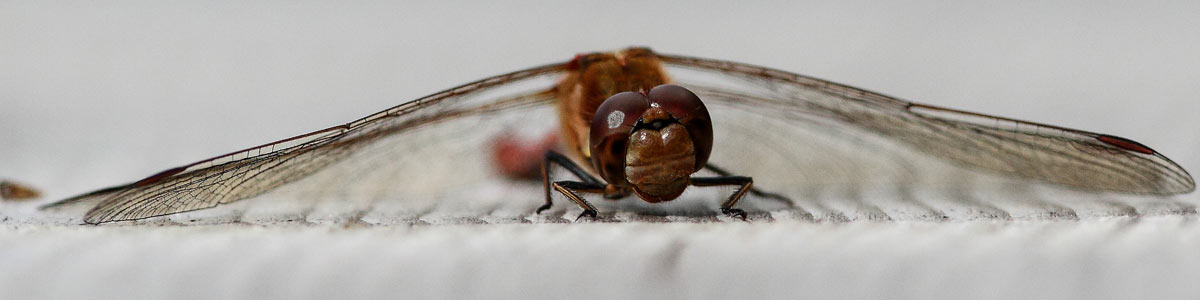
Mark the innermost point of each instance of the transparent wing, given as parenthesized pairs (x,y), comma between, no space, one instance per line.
(793,130)
(253,171)
(817,142)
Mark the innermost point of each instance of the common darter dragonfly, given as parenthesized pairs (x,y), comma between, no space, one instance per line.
(636,122)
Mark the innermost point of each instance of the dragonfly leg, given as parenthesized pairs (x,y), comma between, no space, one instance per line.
(744,184)
(753,190)
(568,188)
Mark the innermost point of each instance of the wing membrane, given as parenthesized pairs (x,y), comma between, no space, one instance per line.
(796,135)
(253,171)
(1013,148)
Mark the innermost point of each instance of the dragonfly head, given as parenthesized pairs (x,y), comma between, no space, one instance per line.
(651,141)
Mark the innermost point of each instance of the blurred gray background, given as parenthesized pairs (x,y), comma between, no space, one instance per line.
(93,94)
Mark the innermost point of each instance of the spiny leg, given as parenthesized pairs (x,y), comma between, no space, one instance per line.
(589,183)
(753,190)
(743,183)
(569,189)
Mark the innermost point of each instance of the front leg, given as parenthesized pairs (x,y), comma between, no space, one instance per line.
(569,188)
(743,183)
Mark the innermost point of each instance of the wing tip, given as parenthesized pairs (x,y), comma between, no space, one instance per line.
(85,196)
(1189,186)
(1125,144)
(95,216)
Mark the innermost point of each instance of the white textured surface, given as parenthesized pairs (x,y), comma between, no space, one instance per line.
(1096,259)
(97,95)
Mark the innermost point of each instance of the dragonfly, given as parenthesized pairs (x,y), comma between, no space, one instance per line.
(642,123)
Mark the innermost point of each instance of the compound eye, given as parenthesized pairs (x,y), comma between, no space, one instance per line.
(611,127)
(620,110)
(680,102)
(686,107)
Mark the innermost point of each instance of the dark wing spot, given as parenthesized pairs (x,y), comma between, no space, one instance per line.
(1125,143)
(158,177)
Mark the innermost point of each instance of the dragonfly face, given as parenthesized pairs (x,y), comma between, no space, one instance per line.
(593,78)
(638,133)
(652,141)
(642,135)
